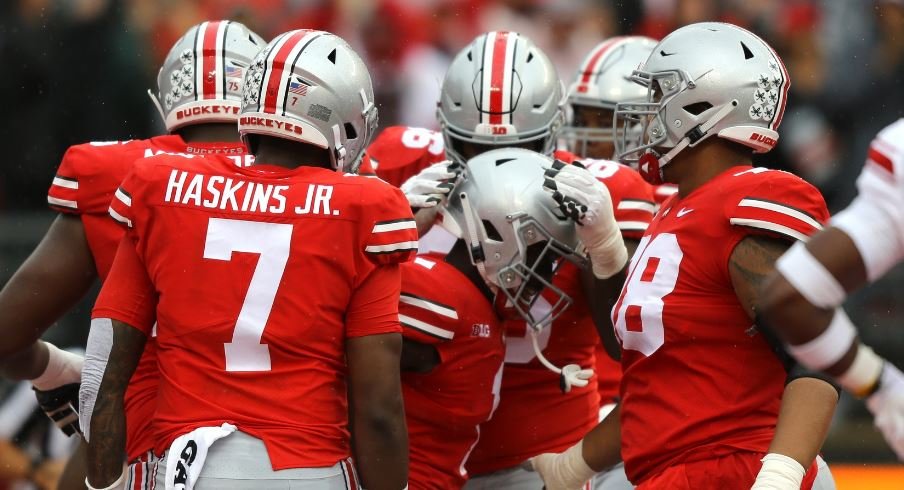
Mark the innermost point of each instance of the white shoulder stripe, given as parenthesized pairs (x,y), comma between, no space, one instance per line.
(632,225)
(118,217)
(429,306)
(123,197)
(778,208)
(426,327)
(69,184)
(407,224)
(62,202)
(638,205)
(391,247)
(768,225)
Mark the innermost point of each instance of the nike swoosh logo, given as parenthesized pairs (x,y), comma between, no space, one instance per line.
(664,54)
(683,211)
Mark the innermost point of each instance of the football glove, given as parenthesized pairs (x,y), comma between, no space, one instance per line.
(887,407)
(61,405)
(57,388)
(562,471)
(583,198)
(431,186)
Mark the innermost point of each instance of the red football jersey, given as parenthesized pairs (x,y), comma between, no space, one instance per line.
(441,307)
(84,185)
(400,152)
(262,274)
(534,416)
(698,380)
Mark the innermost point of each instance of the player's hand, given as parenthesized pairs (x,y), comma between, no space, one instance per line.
(887,406)
(431,186)
(583,198)
(61,405)
(562,471)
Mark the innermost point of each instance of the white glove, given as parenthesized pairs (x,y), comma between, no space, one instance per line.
(779,472)
(887,406)
(586,200)
(431,185)
(562,471)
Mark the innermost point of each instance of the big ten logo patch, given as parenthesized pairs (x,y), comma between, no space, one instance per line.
(480,330)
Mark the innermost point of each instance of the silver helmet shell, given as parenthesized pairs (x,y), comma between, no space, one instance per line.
(501,90)
(513,228)
(201,78)
(311,87)
(706,79)
(602,81)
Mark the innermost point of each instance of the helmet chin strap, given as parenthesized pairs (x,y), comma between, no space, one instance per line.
(570,375)
(157,105)
(475,250)
(695,135)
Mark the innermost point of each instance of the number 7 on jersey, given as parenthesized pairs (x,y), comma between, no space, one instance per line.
(273,242)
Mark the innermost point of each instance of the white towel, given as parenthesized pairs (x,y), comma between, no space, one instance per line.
(186,455)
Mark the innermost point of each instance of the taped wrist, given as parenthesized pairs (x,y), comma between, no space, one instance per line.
(779,471)
(116,485)
(828,347)
(569,470)
(62,368)
(609,256)
(862,377)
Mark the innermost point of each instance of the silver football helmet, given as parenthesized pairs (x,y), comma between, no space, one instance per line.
(201,79)
(514,231)
(603,80)
(500,90)
(310,86)
(703,80)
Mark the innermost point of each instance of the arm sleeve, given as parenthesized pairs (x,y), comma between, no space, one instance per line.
(64,193)
(374,306)
(128,295)
(875,219)
(390,233)
(780,204)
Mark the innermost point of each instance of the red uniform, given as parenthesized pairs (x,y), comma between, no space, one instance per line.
(84,185)
(262,274)
(440,306)
(698,381)
(534,416)
(400,152)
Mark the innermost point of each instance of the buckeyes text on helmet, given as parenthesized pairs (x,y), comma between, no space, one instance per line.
(500,90)
(706,79)
(202,76)
(311,87)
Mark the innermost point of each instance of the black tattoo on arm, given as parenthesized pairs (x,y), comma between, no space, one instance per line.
(751,263)
(107,446)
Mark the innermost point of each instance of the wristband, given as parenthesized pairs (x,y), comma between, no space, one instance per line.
(62,368)
(862,377)
(779,471)
(117,485)
(830,346)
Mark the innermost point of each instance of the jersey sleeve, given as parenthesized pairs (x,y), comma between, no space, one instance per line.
(128,295)
(875,219)
(777,204)
(374,306)
(121,209)
(65,193)
(391,233)
(426,316)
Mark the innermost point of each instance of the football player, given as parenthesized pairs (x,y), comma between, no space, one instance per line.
(705,400)
(276,292)
(454,347)
(803,298)
(501,91)
(199,91)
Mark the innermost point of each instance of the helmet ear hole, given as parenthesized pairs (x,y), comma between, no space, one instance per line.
(697,108)
(492,232)
(350,132)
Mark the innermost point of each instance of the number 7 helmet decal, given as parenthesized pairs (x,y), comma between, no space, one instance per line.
(501,90)
(201,79)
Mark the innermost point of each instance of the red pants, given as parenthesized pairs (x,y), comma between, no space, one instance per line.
(735,471)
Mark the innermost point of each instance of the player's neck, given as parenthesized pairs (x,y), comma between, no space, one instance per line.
(459,258)
(289,154)
(696,166)
(209,133)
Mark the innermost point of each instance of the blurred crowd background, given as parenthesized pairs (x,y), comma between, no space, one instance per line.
(77,70)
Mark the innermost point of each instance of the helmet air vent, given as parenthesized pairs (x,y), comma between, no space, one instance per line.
(747,53)
(332,56)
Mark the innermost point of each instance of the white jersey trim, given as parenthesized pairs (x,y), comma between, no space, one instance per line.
(426,327)
(69,184)
(392,247)
(407,224)
(778,208)
(430,306)
(770,226)
(62,202)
